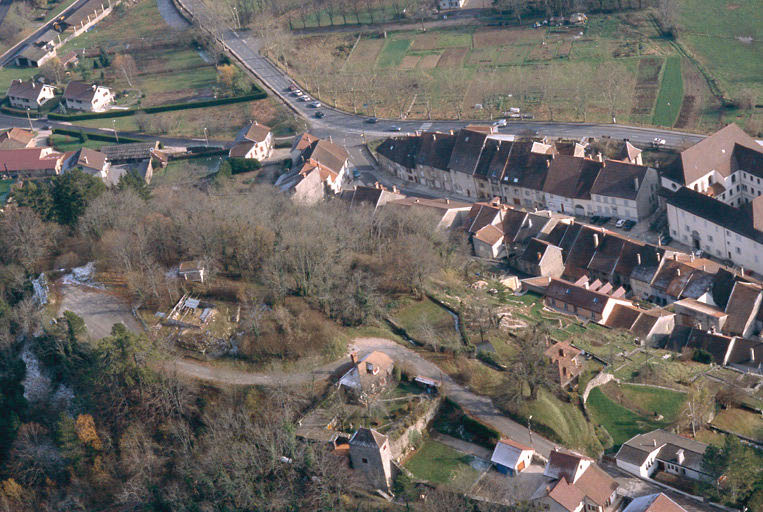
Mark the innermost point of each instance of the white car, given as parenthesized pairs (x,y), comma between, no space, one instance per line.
(501,122)
(316,104)
(620,223)
(297,93)
(304,98)
(659,142)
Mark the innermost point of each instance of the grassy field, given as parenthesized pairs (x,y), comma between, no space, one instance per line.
(566,420)
(440,464)
(414,314)
(671,93)
(727,38)
(185,171)
(629,410)
(741,421)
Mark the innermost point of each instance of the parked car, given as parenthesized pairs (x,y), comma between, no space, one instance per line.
(595,219)
(304,97)
(657,141)
(501,122)
(320,115)
(527,116)
(355,174)
(371,120)
(604,220)
(316,104)
(665,239)
(395,129)
(620,223)
(629,225)
(296,92)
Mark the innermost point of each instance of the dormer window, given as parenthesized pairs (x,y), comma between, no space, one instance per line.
(371,368)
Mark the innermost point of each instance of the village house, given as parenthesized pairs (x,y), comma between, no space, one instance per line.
(650,326)
(625,191)
(29,94)
(374,197)
(451,214)
(82,19)
(370,454)
(646,454)
(192,271)
(567,360)
(368,376)
(511,457)
(89,161)
(568,184)
(87,97)
(16,138)
(540,258)
(255,141)
(321,167)
(699,315)
(743,309)
(653,503)
(575,483)
(450,4)
(31,163)
(585,300)
(39,51)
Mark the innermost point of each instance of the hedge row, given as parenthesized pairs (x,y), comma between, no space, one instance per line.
(258,95)
(95,136)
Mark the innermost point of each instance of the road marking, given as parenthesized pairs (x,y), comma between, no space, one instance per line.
(426,126)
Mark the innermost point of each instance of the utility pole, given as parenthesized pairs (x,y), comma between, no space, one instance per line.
(529,428)
(206,136)
(114,124)
(29,118)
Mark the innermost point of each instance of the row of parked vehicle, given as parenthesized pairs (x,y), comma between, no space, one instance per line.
(624,224)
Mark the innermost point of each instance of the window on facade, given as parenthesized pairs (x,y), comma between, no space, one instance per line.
(365,460)
(733,178)
(710,238)
(739,251)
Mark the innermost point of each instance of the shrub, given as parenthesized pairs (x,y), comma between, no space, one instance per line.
(702,356)
(240,165)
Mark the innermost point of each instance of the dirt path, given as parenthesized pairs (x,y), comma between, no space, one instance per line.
(98,308)
(479,406)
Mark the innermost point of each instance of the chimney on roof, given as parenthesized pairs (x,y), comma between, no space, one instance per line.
(595,240)
(678,272)
(680,456)
(540,255)
(331,140)
(752,355)
(434,137)
(447,201)
(638,258)
(394,189)
(354,357)
(600,157)
(654,443)
(659,257)
(691,257)
(741,271)
(635,182)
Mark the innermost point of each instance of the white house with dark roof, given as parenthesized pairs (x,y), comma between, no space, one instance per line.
(87,97)
(653,503)
(645,454)
(625,190)
(576,483)
(29,94)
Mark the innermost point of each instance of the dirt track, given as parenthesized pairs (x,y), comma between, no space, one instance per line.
(479,406)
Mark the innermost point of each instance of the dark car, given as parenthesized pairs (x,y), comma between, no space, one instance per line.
(665,239)
(395,129)
(629,225)
(371,120)
(595,219)
(319,115)
(604,220)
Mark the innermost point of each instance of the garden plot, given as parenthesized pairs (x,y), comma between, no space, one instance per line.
(429,61)
(365,54)
(506,37)
(452,58)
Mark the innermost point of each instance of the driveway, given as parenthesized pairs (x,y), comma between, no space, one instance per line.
(478,406)
(98,308)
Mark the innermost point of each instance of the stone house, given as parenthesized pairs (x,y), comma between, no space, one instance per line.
(256,141)
(368,376)
(625,191)
(370,454)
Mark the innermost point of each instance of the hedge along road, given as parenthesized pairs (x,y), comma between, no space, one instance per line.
(480,407)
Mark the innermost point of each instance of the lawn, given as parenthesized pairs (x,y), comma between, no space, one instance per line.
(647,401)
(393,52)
(621,423)
(440,464)
(66,143)
(415,314)
(740,421)
(671,94)
(185,171)
(5,190)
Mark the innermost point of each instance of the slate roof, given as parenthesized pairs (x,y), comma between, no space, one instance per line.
(723,284)
(513,222)
(367,437)
(435,150)
(571,177)
(481,215)
(524,168)
(489,151)
(466,152)
(28,90)
(81,91)
(618,179)
(567,292)
(534,251)
(607,254)
(401,150)
(637,449)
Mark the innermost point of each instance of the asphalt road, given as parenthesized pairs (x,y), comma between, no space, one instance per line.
(8,56)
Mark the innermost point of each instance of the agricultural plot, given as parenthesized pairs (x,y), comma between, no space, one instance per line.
(479,72)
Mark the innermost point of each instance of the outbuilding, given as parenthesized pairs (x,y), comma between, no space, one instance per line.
(511,457)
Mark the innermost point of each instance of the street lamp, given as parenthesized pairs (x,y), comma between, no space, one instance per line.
(114,124)
(529,428)
(206,136)
(29,118)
